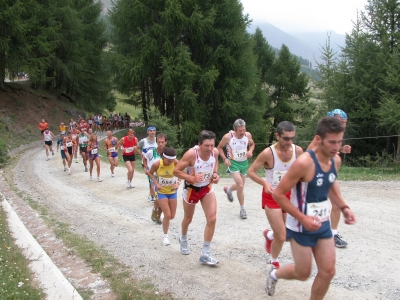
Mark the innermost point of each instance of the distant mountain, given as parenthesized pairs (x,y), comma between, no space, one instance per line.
(307,45)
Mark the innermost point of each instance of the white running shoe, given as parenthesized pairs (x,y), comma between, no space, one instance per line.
(270,283)
(112,174)
(99,179)
(128,184)
(65,169)
(206,258)
(69,171)
(91,178)
(185,248)
(165,241)
(47,158)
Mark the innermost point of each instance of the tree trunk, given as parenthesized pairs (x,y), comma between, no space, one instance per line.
(2,69)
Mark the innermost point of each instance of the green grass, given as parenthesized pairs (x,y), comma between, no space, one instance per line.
(15,276)
(123,107)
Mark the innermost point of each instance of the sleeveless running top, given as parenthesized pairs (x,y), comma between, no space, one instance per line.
(237,148)
(166,178)
(129,146)
(83,139)
(202,167)
(95,148)
(152,156)
(311,198)
(47,136)
(274,175)
(111,144)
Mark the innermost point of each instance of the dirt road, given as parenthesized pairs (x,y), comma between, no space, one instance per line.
(119,219)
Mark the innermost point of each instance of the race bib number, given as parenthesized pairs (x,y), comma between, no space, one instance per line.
(69,144)
(62,148)
(321,210)
(129,150)
(166,181)
(112,149)
(206,177)
(277,177)
(94,151)
(239,154)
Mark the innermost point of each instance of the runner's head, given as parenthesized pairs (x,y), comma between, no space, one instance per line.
(161,141)
(207,141)
(338,114)
(285,134)
(151,131)
(82,130)
(239,126)
(329,134)
(131,133)
(90,130)
(46,130)
(109,134)
(93,137)
(169,155)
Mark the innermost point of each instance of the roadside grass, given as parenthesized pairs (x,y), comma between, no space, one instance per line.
(15,275)
(120,276)
(123,107)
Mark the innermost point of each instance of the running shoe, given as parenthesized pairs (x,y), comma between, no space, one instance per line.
(154,215)
(47,158)
(243,213)
(228,194)
(76,161)
(185,248)
(206,258)
(69,171)
(128,184)
(65,169)
(91,178)
(158,218)
(268,242)
(112,174)
(270,283)
(276,264)
(339,242)
(99,179)
(86,169)
(165,241)
(52,152)
(152,198)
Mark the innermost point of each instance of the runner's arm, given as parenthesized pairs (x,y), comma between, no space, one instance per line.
(252,145)
(260,161)
(185,162)
(221,145)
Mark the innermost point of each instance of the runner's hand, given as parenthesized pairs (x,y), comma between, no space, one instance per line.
(346,149)
(215,178)
(349,217)
(227,162)
(311,223)
(268,188)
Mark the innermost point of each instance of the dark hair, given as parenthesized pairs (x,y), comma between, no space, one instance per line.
(285,126)
(329,125)
(162,135)
(169,151)
(206,135)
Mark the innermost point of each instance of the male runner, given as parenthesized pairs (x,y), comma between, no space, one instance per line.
(129,144)
(83,140)
(201,164)
(48,142)
(150,157)
(276,160)
(147,144)
(335,213)
(311,178)
(43,126)
(60,146)
(239,147)
(111,147)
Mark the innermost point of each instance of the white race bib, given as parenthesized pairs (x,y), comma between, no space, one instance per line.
(69,144)
(129,150)
(94,151)
(277,177)
(239,155)
(166,181)
(206,177)
(112,149)
(321,210)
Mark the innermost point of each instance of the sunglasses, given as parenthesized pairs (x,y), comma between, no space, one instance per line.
(287,139)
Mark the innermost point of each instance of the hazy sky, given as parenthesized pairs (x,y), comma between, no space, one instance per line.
(305,15)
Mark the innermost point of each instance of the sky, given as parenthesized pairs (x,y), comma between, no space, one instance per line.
(305,15)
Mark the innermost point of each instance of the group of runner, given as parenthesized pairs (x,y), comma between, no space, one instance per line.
(295,189)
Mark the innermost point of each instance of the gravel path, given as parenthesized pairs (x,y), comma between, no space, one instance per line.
(119,219)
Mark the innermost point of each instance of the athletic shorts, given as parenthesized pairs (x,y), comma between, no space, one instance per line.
(310,239)
(129,158)
(69,150)
(267,200)
(93,156)
(63,156)
(167,196)
(194,195)
(48,143)
(82,149)
(112,154)
(238,166)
